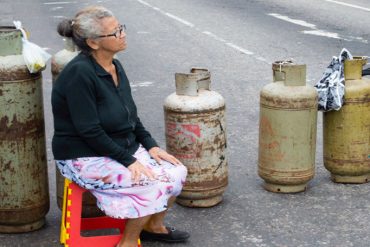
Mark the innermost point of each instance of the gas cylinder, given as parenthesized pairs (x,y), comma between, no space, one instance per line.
(196,134)
(58,62)
(287,129)
(347,131)
(24,193)
(61,58)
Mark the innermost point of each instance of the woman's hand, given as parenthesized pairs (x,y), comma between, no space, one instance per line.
(159,154)
(137,169)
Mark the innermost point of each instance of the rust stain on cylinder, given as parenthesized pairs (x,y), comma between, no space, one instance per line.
(13,130)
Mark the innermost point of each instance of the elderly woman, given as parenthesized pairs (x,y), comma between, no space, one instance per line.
(99,141)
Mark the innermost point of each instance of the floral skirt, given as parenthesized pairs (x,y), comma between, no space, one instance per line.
(117,195)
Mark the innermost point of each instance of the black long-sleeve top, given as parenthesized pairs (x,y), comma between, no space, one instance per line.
(93,117)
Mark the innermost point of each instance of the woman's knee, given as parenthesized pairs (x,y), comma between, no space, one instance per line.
(182,171)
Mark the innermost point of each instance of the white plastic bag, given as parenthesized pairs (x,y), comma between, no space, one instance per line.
(34,56)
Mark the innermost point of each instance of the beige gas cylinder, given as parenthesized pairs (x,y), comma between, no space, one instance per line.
(347,131)
(287,130)
(62,57)
(196,135)
(24,191)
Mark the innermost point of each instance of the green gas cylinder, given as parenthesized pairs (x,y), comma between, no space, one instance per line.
(287,129)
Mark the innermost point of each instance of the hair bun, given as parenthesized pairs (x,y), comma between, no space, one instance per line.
(65,28)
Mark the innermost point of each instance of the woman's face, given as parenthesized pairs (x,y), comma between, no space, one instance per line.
(113,38)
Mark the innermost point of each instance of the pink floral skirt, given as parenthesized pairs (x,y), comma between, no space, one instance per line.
(117,195)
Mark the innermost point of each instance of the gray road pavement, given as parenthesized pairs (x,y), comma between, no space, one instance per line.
(237,40)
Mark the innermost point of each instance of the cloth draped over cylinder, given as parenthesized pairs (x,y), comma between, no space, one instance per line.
(331,86)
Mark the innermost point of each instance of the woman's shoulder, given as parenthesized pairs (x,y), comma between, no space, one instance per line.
(80,62)
(78,71)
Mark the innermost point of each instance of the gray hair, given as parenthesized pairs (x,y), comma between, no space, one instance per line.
(86,24)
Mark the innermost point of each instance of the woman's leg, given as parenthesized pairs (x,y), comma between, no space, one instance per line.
(156,221)
(132,231)
(155,229)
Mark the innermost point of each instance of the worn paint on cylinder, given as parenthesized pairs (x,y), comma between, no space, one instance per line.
(23,167)
(347,131)
(196,135)
(287,134)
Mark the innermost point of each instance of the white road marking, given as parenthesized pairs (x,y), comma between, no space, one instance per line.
(50,3)
(349,5)
(242,50)
(141,84)
(145,3)
(315,31)
(180,20)
(209,34)
(56,8)
(214,36)
(294,21)
(322,33)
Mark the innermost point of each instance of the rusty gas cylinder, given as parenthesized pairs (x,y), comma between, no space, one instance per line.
(24,193)
(347,131)
(196,135)
(287,130)
(58,62)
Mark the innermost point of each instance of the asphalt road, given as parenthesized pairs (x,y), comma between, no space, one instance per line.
(237,40)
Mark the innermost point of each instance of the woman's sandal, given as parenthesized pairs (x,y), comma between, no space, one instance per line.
(172,236)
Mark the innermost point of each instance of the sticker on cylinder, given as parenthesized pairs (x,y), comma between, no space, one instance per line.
(182,139)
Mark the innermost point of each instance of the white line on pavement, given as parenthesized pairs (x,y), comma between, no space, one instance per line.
(294,21)
(315,31)
(180,20)
(322,33)
(51,3)
(145,3)
(141,84)
(242,50)
(349,5)
(56,8)
(214,36)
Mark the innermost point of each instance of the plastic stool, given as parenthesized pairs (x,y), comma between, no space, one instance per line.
(72,224)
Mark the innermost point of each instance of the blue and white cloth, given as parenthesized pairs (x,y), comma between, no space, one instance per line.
(331,86)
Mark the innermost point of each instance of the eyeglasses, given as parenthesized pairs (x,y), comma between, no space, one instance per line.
(117,34)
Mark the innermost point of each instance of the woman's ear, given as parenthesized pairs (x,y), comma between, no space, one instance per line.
(94,44)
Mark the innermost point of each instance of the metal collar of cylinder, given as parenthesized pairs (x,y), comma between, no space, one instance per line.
(10,41)
(288,72)
(353,67)
(190,84)
(69,45)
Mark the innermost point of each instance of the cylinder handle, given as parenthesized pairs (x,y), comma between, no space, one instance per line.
(204,77)
(353,67)
(69,44)
(288,72)
(186,84)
